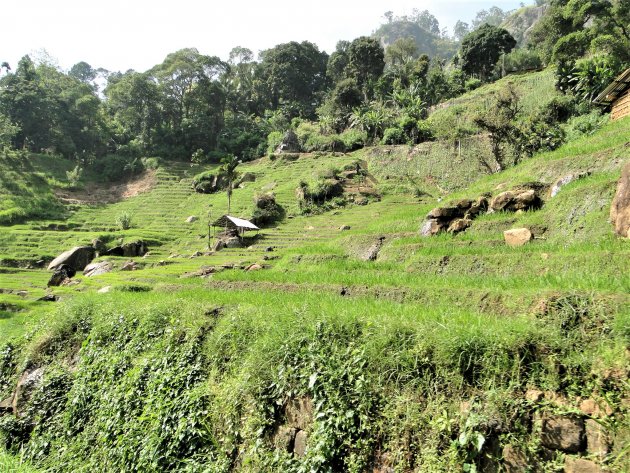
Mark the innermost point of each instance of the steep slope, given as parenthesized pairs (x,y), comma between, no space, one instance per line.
(363,349)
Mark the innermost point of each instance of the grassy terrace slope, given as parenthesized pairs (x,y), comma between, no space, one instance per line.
(418,361)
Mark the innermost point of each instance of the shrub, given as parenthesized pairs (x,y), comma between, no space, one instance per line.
(266,209)
(150,163)
(353,139)
(115,167)
(584,125)
(74,176)
(208,182)
(198,157)
(472,84)
(273,141)
(521,60)
(123,220)
(393,136)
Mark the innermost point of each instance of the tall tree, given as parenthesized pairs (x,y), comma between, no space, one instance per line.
(366,62)
(228,171)
(293,77)
(482,48)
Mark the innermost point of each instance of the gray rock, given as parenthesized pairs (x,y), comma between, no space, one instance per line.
(299,445)
(30,380)
(77,258)
(431,227)
(96,269)
(192,219)
(597,440)
(99,246)
(129,266)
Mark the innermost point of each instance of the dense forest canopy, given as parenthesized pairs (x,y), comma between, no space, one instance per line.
(374,88)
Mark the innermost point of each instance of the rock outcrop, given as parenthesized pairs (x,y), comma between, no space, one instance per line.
(454,218)
(458,216)
(565,180)
(129,250)
(514,200)
(620,209)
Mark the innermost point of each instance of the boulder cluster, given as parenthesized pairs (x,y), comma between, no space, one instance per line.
(458,217)
(67,264)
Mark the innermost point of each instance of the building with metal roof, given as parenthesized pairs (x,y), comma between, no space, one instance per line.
(235,223)
(617,96)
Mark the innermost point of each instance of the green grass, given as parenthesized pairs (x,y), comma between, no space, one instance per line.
(12,464)
(194,374)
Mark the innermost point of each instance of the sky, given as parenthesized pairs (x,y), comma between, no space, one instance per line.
(137,34)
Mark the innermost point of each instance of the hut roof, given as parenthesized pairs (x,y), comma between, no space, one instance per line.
(614,90)
(234,222)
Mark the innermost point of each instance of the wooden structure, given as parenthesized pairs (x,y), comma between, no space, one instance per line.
(617,96)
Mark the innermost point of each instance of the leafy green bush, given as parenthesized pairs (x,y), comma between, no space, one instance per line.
(266,209)
(273,141)
(584,125)
(208,182)
(353,139)
(74,176)
(472,84)
(150,163)
(393,136)
(124,220)
(520,60)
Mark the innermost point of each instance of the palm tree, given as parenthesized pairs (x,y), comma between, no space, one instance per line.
(228,171)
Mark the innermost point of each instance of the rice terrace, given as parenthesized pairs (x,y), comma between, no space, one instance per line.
(408,253)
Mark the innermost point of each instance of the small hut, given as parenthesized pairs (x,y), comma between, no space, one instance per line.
(234,226)
(617,96)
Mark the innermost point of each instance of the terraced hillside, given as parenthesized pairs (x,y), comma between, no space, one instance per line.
(358,346)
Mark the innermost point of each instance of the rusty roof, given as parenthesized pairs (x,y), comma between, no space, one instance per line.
(614,90)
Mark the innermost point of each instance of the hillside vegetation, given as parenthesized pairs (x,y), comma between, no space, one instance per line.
(446,353)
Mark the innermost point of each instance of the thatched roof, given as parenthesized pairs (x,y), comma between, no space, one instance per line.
(235,222)
(614,90)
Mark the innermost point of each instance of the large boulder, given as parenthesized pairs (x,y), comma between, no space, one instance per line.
(459,225)
(511,201)
(517,237)
(289,144)
(77,258)
(99,246)
(620,209)
(207,183)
